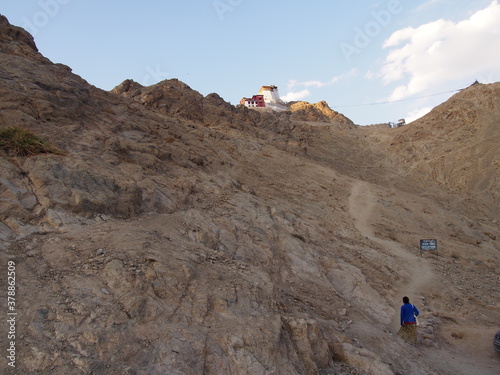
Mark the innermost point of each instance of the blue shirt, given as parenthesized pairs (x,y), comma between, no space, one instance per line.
(408,313)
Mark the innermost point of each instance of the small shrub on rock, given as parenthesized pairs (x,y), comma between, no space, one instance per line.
(22,142)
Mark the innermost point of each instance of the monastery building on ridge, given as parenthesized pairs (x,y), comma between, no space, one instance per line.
(268,96)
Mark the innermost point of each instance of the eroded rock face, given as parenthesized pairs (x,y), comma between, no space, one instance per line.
(178,234)
(318,112)
(15,40)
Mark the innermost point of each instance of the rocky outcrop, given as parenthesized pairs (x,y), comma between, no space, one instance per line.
(15,40)
(318,112)
(170,96)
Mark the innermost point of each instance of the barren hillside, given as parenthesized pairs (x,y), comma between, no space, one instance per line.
(176,234)
(456,145)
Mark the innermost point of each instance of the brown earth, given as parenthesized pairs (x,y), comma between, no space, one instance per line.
(177,234)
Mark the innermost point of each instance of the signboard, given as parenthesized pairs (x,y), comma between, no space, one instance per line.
(428,245)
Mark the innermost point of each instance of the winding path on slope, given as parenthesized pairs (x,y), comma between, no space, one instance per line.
(363,208)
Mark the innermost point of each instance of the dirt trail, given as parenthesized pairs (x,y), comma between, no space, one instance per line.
(363,208)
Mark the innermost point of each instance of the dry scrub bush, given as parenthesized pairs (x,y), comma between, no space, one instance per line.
(22,142)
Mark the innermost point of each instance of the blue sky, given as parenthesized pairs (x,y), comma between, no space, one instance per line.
(356,55)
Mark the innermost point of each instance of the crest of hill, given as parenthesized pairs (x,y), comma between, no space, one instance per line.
(178,99)
(16,40)
(175,98)
(317,112)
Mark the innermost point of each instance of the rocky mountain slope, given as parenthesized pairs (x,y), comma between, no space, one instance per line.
(318,112)
(174,233)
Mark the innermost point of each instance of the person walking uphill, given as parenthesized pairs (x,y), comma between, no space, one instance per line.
(408,330)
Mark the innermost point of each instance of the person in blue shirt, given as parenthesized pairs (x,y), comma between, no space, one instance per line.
(408,320)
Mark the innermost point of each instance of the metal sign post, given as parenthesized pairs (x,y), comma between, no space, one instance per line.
(428,245)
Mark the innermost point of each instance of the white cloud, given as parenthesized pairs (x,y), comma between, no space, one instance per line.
(292,96)
(443,51)
(427,4)
(370,75)
(319,83)
(416,114)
